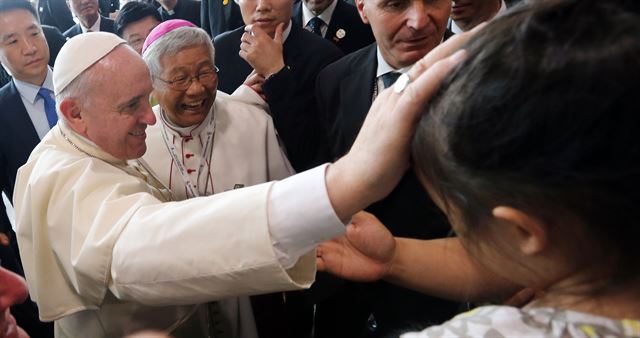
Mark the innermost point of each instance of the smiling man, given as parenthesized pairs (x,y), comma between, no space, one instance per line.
(90,20)
(405,31)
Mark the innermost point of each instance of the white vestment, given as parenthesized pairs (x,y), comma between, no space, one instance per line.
(233,147)
(104,256)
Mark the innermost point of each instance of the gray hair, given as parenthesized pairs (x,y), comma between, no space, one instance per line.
(79,88)
(172,43)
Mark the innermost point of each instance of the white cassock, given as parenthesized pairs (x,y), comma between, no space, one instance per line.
(104,256)
(234,146)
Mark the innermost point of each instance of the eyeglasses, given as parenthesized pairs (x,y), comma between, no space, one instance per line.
(205,77)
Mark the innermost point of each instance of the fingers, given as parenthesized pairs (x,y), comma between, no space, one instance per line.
(425,85)
(277,37)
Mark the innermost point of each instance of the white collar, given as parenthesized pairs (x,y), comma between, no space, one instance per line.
(190,131)
(326,15)
(30,91)
(94,28)
(384,67)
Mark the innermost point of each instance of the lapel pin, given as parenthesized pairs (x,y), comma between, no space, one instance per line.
(340,33)
(225,2)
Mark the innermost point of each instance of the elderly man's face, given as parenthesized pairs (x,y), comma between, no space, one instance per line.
(266,14)
(23,48)
(136,32)
(85,10)
(405,30)
(117,111)
(187,85)
(469,13)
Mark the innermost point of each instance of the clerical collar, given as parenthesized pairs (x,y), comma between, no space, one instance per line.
(29,91)
(94,28)
(384,67)
(326,15)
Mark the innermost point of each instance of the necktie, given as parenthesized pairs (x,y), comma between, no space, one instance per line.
(315,25)
(49,106)
(390,78)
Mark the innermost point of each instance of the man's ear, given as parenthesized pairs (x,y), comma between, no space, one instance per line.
(360,7)
(529,232)
(71,110)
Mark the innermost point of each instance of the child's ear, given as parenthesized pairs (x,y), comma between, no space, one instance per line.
(529,232)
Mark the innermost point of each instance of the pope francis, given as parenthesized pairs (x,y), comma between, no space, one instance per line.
(107,252)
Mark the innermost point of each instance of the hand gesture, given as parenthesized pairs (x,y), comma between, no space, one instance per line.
(261,51)
(255,82)
(364,253)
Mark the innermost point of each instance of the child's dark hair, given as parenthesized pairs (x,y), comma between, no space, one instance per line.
(544,116)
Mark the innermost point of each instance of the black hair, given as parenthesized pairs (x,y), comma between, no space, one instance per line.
(543,116)
(134,11)
(9,5)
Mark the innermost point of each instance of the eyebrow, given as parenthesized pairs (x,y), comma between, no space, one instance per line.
(124,105)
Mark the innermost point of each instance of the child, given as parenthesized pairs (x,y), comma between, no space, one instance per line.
(532,150)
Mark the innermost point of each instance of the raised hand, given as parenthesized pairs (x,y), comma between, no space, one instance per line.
(261,51)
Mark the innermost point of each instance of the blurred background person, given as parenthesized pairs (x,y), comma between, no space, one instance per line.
(135,21)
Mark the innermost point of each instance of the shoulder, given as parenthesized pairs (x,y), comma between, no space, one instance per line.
(239,112)
(229,37)
(485,321)
(351,62)
(8,94)
(71,32)
(312,47)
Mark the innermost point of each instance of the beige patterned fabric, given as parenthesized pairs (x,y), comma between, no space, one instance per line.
(506,321)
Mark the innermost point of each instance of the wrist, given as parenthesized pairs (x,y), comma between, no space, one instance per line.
(275,70)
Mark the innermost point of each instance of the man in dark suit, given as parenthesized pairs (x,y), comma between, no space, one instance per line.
(345,91)
(90,20)
(55,13)
(336,21)
(219,16)
(180,9)
(287,59)
(27,114)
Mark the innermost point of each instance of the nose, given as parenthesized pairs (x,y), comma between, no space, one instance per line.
(148,117)
(417,16)
(195,88)
(13,289)
(28,46)
(263,5)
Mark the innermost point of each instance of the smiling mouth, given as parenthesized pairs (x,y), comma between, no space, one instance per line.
(193,105)
(137,133)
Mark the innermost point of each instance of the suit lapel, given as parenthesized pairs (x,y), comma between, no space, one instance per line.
(297,14)
(337,21)
(357,91)
(19,120)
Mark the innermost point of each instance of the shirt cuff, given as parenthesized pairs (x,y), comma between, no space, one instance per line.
(301,216)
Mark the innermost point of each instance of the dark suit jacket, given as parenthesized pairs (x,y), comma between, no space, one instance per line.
(219,16)
(19,137)
(55,40)
(106,25)
(345,17)
(345,92)
(290,92)
(185,9)
(55,13)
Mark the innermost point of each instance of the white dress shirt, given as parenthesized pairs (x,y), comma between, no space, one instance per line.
(326,15)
